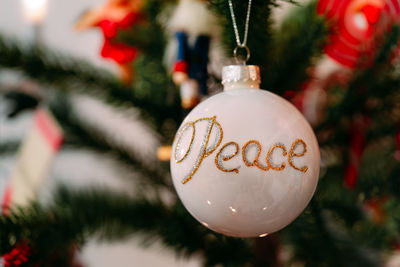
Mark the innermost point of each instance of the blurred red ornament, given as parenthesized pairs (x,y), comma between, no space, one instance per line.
(357,145)
(112,18)
(357,24)
(397,138)
(17,256)
(351,175)
(119,52)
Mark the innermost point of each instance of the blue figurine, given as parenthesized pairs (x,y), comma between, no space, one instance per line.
(194,27)
(190,70)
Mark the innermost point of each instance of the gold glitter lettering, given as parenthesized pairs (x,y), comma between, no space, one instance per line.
(220,157)
(293,154)
(269,155)
(255,161)
(206,147)
(205,150)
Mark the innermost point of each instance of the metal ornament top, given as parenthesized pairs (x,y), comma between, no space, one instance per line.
(239,76)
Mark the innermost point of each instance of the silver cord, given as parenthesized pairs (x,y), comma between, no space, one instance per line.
(246,27)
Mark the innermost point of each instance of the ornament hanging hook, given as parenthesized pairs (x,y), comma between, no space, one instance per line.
(236,31)
(245,57)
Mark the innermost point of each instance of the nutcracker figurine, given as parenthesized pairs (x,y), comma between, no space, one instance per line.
(193,29)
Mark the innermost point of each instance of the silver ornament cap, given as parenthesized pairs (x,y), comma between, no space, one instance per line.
(239,76)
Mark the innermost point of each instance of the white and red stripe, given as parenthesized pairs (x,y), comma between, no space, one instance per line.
(357,24)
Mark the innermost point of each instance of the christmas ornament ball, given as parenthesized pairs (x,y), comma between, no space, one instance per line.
(245,162)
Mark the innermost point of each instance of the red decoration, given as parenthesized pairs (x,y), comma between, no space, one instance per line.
(6,201)
(181,66)
(351,175)
(17,256)
(119,52)
(397,139)
(357,24)
(357,145)
(396,245)
(113,17)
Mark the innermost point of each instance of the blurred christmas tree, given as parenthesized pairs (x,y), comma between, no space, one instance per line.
(336,60)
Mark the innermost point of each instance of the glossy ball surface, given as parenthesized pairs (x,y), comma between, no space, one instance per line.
(245,162)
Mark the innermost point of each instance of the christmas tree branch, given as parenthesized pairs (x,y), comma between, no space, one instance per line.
(259,37)
(8,147)
(296,44)
(313,232)
(76,215)
(368,83)
(78,134)
(149,36)
(69,74)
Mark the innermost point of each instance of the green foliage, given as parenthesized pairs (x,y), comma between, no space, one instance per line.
(342,212)
(78,134)
(108,216)
(318,242)
(74,75)
(259,37)
(9,147)
(296,45)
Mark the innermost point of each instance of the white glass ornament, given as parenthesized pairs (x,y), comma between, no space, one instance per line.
(245,162)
